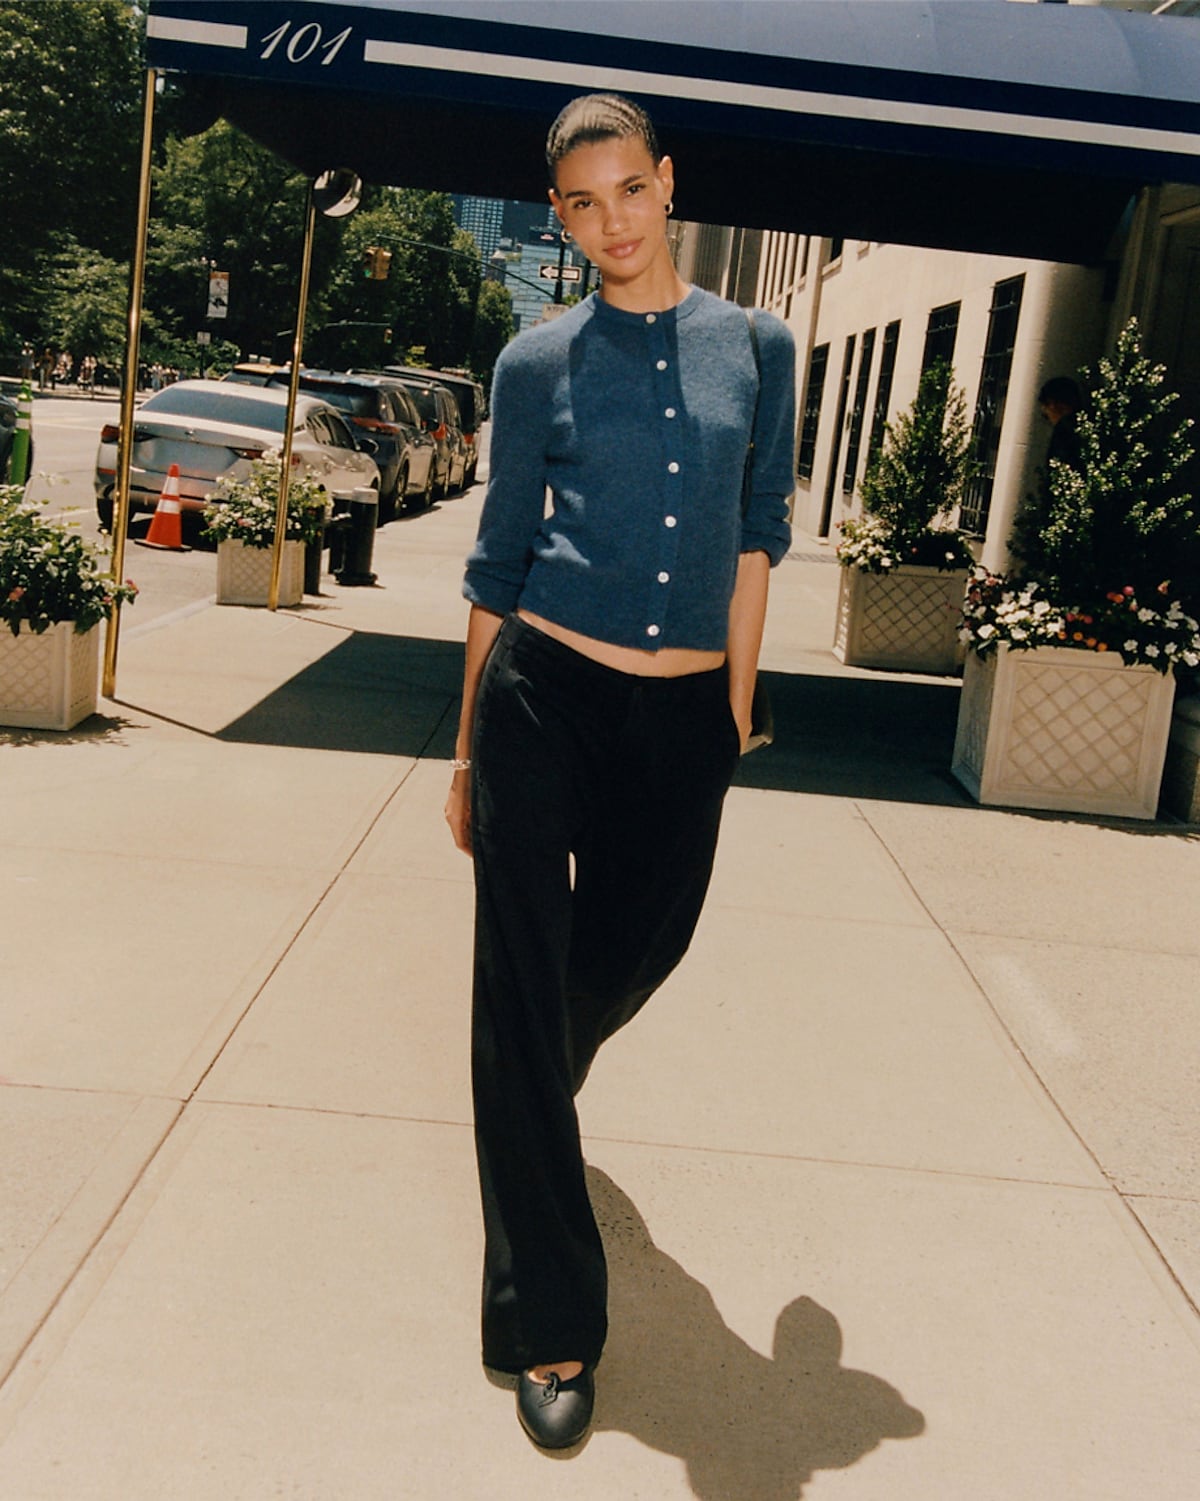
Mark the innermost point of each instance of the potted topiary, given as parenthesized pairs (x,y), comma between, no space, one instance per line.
(53,595)
(903,565)
(1070,673)
(240,517)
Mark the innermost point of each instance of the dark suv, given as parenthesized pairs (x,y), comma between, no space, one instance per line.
(438,412)
(468,397)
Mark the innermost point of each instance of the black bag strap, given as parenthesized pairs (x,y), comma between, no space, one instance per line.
(748,468)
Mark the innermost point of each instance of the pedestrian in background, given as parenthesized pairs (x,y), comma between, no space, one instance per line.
(1059,401)
(612,649)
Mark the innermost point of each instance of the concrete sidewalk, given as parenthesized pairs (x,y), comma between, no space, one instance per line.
(898,1175)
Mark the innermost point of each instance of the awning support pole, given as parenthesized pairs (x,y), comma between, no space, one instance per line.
(285,465)
(120,521)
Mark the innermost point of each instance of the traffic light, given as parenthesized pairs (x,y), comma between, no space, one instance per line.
(376,262)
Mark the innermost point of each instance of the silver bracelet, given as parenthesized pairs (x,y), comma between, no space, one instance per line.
(460,763)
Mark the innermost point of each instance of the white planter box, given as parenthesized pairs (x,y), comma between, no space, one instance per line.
(1060,728)
(906,620)
(51,681)
(244,574)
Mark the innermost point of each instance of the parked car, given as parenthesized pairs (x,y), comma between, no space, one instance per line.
(423,448)
(209,429)
(8,428)
(257,373)
(402,449)
(469,398)
(438,414)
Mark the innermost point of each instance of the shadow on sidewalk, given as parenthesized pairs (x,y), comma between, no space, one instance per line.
(859,737)
(679,1380)
(844,737)
(373,693)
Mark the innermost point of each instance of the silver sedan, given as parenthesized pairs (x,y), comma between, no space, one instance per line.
(212,429)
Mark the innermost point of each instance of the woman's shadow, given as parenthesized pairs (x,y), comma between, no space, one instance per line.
(679,1379)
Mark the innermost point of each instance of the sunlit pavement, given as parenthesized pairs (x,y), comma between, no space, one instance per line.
(898,1174)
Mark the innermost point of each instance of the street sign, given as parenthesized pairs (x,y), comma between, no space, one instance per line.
(203,336)
(218,294)
(550,272)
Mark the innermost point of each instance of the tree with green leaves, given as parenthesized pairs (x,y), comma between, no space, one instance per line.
(222,202)
(86,303)
(914,482)
(493,329)
(916,476)
(427,301)
(70,117)
(1122,517)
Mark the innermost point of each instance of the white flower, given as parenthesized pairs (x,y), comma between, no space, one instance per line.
(1151,649)
(987,631)
(1130,646)
(1145,616)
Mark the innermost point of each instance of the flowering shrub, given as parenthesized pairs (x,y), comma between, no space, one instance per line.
(870,544)
(999,609)
(914,481)
(48,573)
(1110,545)
(244,510)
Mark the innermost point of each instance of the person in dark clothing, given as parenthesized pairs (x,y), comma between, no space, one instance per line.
(612,649)
(1059,401)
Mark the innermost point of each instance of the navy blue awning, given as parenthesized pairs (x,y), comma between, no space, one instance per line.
(969,124)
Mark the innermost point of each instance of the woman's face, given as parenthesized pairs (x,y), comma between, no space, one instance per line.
(612,198)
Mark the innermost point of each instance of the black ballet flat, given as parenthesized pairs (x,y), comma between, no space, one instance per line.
(556,1414)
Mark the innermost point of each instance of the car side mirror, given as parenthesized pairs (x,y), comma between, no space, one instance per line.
(367,445)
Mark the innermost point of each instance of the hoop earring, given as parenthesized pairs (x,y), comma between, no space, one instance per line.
(565,236)
(670,207)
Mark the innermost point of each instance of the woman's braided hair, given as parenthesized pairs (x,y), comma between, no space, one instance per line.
(598,117)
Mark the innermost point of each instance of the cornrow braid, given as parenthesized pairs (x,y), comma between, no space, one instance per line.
(598,117)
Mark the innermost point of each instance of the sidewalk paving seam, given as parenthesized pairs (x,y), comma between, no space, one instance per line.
(187,1100)
(301,927)
(701,1149)
(1034,1072)
(92,1246)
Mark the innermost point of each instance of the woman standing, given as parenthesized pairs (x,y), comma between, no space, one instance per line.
(611,655)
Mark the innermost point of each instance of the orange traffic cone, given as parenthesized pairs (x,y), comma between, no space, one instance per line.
(166,525)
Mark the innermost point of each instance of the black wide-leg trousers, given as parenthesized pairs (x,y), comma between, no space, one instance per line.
(596,803)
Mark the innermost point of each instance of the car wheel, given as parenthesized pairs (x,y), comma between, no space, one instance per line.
(396,499)
(423,499)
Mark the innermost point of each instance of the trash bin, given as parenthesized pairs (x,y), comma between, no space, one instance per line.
(313,553)
(360,538)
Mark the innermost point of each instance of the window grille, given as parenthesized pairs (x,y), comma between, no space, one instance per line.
(883,391)
(989,409)
(858,411)
(813,392)
(940,335)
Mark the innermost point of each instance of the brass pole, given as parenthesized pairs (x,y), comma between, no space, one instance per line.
(285,465)
(120,521)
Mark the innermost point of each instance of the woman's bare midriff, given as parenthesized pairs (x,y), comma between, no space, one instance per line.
(670,662)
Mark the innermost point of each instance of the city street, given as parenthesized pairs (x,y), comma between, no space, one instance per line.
(66,430)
